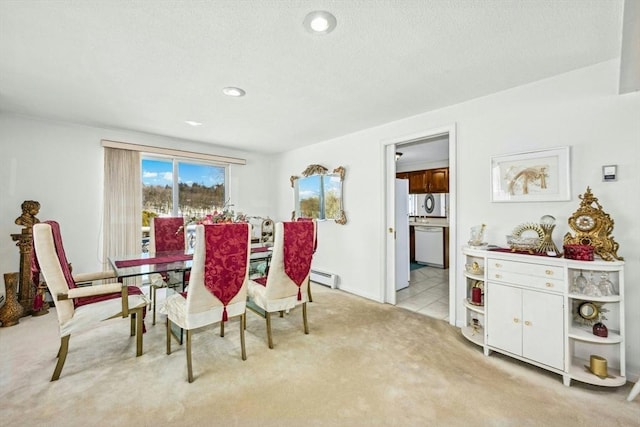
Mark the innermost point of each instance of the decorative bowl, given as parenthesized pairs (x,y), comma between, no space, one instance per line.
(474,268)
(528,244)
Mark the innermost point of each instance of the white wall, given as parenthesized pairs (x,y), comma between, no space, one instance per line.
(56,164)
(416,166)
(580,109)
(61,166)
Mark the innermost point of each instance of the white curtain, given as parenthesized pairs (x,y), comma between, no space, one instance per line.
(122,203)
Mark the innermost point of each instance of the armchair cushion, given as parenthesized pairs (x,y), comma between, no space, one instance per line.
(90,299)
(89,315)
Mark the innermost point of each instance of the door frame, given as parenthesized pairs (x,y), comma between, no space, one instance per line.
(389,149)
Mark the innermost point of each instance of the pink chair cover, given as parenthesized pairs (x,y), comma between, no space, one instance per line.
(226,259)
(169,234)
(298,250)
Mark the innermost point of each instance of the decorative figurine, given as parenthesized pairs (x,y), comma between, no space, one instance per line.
(548,223)
(26,287)
(30,209)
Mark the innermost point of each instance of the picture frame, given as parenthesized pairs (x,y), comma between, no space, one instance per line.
(532,176)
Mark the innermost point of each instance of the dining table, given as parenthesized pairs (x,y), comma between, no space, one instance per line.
(144,263)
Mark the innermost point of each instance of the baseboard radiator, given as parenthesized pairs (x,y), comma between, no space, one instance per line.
(324,278)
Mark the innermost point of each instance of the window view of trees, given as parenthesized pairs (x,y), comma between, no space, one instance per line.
(200,188)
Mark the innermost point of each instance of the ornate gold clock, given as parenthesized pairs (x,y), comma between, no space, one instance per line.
(593,227)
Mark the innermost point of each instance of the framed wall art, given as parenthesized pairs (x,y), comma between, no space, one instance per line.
(533,176)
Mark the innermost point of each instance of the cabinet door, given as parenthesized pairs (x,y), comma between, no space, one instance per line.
(504,322)
(543,328)
(438,180)
(417,182)
(402,175)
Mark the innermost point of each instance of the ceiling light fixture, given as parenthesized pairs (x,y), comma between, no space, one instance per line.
(233,91)
(193,123)
(320,22)
(398,155)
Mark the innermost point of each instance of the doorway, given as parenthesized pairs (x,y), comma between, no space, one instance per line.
(431,289)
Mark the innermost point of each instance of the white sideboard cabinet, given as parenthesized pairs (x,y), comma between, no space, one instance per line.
(540,310)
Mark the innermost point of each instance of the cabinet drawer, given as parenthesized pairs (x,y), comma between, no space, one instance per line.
(533,282)
(538,270)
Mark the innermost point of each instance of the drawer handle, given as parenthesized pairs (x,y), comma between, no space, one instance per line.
(516,320)
(549,285)
(526,322)
(498,265)
(549,272)
(498,276)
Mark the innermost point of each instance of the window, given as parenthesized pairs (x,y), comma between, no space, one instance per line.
(175,187)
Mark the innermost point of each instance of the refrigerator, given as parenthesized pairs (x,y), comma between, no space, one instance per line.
(402,233)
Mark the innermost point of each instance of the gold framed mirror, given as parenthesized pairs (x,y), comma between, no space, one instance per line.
(318,194)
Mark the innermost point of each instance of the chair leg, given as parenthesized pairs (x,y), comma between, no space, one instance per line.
(242,322)
(304,318)
(153,302)
(139,330)
(189,367)
(267,316)
(133,324)
(62,356)
(222,328)
(309,290)
(168,336)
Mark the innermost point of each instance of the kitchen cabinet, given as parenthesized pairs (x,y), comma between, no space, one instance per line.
(427,181)
(417,182)
(437,180)
(412,244)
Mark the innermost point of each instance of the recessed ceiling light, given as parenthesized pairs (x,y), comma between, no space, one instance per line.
(192,123)
(233,91)
(320,22)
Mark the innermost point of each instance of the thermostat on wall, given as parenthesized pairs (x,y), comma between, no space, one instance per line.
(610,173)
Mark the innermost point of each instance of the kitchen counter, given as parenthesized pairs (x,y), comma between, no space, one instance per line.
(430,222)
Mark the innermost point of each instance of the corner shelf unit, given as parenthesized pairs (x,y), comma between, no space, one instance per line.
(474,315)
(530,313)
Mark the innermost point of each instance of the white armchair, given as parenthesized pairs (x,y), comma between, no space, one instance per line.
(80,308)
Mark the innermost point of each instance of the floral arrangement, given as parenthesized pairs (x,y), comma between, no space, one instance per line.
(216,217)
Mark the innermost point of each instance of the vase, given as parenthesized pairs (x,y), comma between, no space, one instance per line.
(12,310)
(600,330)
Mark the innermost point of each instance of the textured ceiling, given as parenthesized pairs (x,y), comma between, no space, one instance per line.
(149,66)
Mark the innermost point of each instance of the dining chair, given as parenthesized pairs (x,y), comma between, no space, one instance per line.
(82,308)
(266,231)
(166,234)
(217,287)
(290,267)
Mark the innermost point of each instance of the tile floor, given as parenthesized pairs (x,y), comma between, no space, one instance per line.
(428,292)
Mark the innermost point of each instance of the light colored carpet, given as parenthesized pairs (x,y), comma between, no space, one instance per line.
(362,364)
